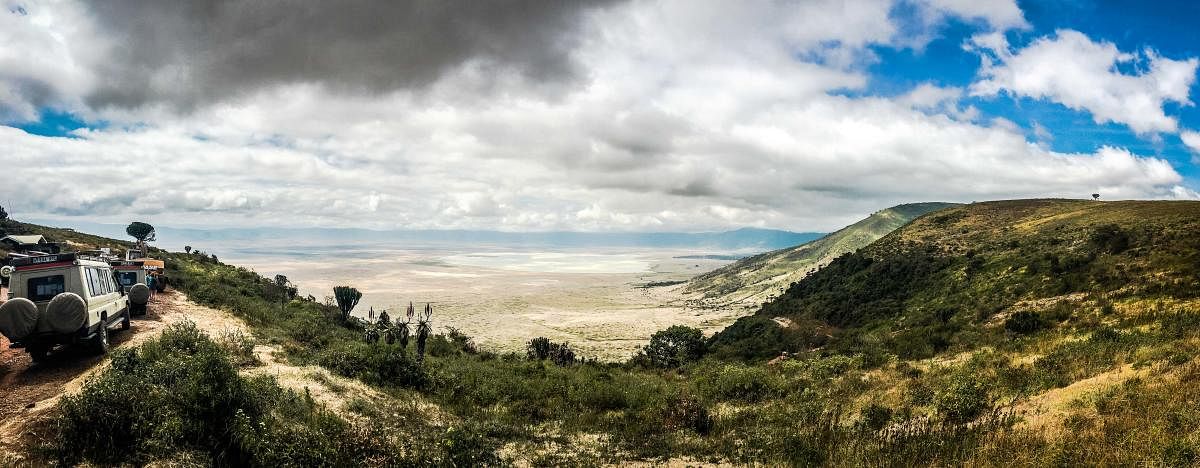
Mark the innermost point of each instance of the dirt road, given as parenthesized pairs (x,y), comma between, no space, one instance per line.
(27,390)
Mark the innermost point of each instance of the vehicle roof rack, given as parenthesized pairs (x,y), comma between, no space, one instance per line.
(71,257)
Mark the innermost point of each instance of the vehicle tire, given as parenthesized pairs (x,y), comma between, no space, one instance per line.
(125,325)
(100,341)
(39,355)
(139,294)
(66,313)
(18,318)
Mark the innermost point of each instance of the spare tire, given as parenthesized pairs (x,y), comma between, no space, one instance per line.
(18,318)
(66,313)
(139,294)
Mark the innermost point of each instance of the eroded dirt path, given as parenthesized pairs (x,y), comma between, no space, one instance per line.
(27,390)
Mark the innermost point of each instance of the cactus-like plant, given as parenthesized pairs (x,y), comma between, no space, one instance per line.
(347,297)
(423,330)
(402,330)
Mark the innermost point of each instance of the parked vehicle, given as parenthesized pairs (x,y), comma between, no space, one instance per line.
(132,278)
(62,299)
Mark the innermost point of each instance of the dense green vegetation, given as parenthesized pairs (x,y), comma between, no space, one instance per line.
(943,343)
(756,279)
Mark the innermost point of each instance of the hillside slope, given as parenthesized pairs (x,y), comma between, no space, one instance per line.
(752,280)
(70,239)
(949,281)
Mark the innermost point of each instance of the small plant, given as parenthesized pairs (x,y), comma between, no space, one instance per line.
(240,347)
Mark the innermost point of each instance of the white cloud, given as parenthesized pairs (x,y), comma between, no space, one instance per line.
(1071,69)
(694,115)
(1000,14)
(1191,140)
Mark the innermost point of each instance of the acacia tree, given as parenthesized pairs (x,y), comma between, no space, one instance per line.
(187,249)
(347,297)
(142,232)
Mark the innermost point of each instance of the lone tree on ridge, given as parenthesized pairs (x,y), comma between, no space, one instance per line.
(142,232)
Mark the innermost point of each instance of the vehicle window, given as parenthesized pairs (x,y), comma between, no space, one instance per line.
(46,287)
(103,278)
(94,282)
(106,277)
(127,278)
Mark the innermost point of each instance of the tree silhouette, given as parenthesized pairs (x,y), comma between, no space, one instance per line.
(142,232)
(187,249)
(3,214)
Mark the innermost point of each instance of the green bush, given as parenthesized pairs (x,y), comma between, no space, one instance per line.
(1025,322)
(962,398)
(675,346)
(736,382)
(180,394)
(373,364)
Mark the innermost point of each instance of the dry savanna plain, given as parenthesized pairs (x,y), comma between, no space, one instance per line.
(605,302)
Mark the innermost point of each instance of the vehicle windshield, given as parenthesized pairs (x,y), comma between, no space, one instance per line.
(46,287)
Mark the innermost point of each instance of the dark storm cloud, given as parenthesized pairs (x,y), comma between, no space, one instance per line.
(186,51)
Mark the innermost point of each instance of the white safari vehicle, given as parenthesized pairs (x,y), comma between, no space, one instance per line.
(131,278)
(62,299)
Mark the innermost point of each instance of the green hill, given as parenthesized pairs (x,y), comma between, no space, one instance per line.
(753,280)
(952,280)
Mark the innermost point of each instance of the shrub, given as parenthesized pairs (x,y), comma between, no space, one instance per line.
(1025,322)
(1109,238)
(962,398)
(875,417)
(378,365)
(736,382)
(541,349)
(180,394)
(538,349)
(675,346)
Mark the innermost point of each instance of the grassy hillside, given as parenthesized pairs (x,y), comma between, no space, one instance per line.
(953,280)
(753,280)
(1035,332)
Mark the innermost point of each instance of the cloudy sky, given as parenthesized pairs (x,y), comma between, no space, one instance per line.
(628,115)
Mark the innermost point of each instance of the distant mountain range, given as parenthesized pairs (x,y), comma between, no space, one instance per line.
(746,240)
(753,280)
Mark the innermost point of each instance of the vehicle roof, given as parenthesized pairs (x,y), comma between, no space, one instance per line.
(56,261)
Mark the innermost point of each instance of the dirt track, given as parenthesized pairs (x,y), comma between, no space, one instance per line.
(27,390)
